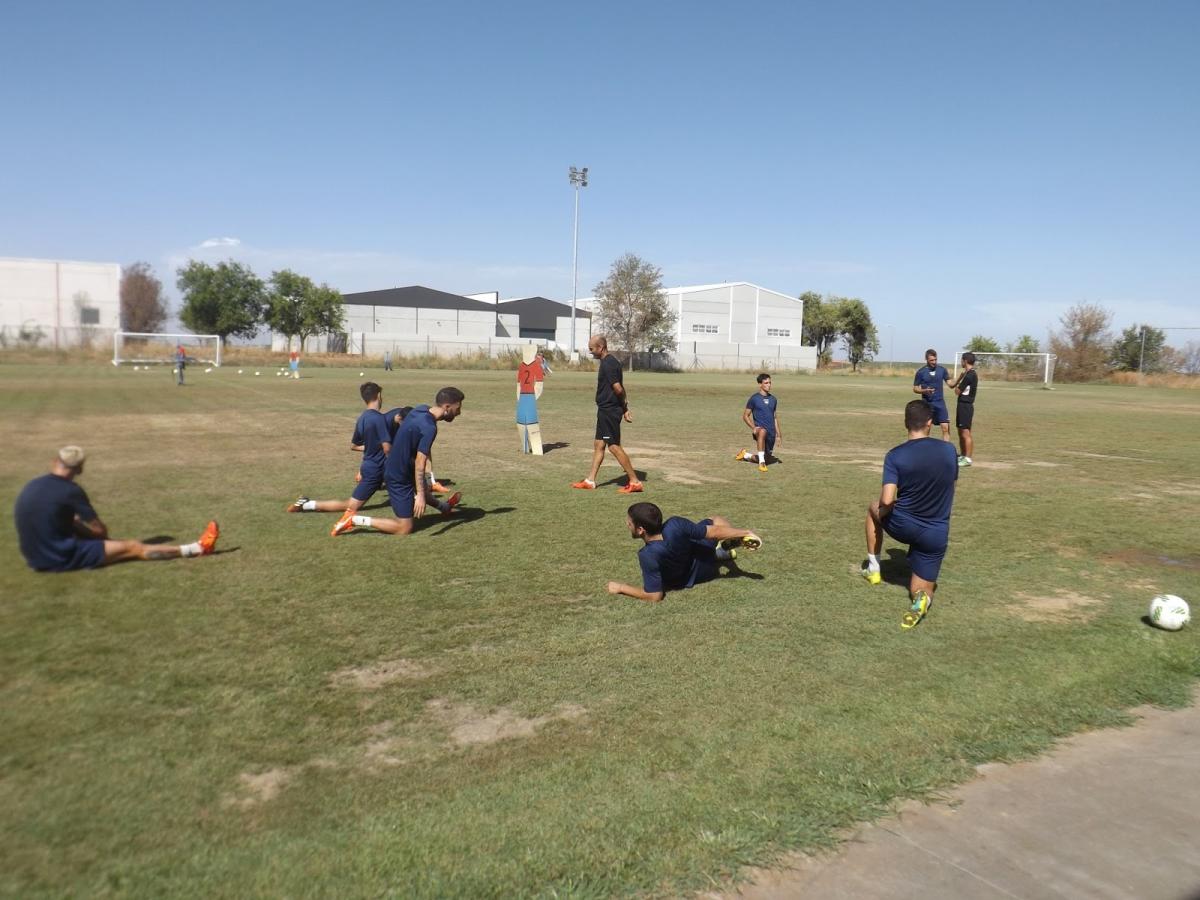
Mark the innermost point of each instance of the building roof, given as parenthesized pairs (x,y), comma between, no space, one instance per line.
(416,296)
(540,313)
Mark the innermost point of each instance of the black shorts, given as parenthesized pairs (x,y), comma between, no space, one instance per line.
(608,425)
(963,414)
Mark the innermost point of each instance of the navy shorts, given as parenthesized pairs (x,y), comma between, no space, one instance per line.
(926,544)
(402,497)
(963,414)
(372,480)
(608,425)
(85,553)
(941,416)
(769,443)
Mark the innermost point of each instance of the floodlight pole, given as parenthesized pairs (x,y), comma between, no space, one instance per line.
(1142,353)
(578,179)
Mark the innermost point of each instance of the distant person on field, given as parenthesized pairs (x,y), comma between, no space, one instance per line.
(914,508)
(612,406)
(679,553)
(761,416)
(59,530)
(966,386)
(294,363)
(373,438)
(387,360)
(541,358)
(180,362)
(405,471)
(928,383)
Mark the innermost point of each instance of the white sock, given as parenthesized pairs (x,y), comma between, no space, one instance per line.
(762,458)
(309,506)
(723,554)
(872,562)
(432,477)
(746,454)
(191,549)
(361,521)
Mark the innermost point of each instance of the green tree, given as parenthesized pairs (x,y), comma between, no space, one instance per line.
(856,329)
(1083,345)
(633,310)
(296,307)
(225,299)
(1128,350)
(820,325)
(1024,344)
(982,344)
(142,307)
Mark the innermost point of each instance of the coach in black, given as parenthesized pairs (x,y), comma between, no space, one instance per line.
(612,406)
(966,386)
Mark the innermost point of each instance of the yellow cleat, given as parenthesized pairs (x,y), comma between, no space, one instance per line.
(918,611)
(872,577)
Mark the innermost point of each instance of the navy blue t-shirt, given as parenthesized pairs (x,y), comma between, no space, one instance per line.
(371,432)
(934,378)
(924,471)
(669,564)
(763,408)
(416,434)
(45,516)
(392,425)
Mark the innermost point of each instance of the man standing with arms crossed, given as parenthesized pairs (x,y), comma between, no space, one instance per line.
(612,406)
(928,383)
(966,386)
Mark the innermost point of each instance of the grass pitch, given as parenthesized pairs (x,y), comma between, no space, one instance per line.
(465,712)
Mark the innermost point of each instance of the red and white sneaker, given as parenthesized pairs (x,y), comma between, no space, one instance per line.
(634,487)
(451,502)
(208,540)
(344,524)
(584,485)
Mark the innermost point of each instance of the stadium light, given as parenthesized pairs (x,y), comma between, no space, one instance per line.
(578,180)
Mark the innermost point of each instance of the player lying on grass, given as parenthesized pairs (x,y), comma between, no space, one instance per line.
(914,508)
(59,530)
(405,470)
(761,416)
(679,553)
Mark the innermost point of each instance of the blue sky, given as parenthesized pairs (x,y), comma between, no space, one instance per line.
(962,167)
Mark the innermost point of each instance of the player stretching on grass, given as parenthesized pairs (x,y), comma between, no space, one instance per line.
(612,405)
(404,472)
(928,383)
(914,508)
(59,530)
(679,553)
(373,438)
(761,416)
(966,386)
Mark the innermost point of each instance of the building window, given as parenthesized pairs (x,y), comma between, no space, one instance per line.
(89,315)
(706,329)
(779,332)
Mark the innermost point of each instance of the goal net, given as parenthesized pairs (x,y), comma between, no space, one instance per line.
(147,349)
(1035,367)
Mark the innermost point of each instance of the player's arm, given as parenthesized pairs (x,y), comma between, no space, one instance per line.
(619,390)
(748,418)
(419,467)
(617,587)
(93,528)
(887,499)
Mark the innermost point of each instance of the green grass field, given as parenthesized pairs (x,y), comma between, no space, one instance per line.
(466,712)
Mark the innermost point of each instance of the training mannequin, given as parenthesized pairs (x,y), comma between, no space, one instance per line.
(530,379)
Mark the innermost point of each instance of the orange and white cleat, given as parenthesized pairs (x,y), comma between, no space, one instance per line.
(634,487)
(344,524)
(438,488)
(208,540)
(451,502)
(584,485)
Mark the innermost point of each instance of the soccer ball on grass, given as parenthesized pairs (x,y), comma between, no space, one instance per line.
(1169,612)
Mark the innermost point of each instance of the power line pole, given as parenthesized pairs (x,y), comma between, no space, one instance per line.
(579,179)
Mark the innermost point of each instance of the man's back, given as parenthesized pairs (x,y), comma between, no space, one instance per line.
(371,431)
(45,515)
(924,471)
(672,558)
(416,433)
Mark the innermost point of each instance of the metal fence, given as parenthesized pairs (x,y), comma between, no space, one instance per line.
(32,336)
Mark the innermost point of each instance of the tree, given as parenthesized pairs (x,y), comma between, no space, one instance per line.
(1190,358)
(225,299)
(1084,344)
(820,326)
(1024,344)
(1129,354)
(857,331)
(982,344)
(142,307)
(298,308)
(633,309)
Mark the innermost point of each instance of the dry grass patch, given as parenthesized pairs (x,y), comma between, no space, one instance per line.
(468,726)
(1061,606)
(369,678)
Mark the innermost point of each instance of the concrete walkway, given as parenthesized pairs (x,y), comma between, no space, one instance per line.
(1107,814)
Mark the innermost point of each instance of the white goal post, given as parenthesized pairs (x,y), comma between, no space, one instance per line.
(145,349)
(1012,366)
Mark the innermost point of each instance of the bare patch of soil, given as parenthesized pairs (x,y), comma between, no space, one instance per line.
(468,726)
(1042,464)
(1087,455)
(369,678)
(1001,466)
(1144,558)
(1062,606)
(256,789)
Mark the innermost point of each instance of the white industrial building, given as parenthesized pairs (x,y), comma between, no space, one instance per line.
(58,303)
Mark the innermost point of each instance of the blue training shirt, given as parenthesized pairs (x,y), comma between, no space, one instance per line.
(416,434)
(924,471)
(669,564)
(934,378)
(372,432)
(45,516)
(763,409)
(392,425)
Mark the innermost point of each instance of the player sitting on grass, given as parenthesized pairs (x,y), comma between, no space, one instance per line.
(679,553)
(966,386)
(59,530)
(928,383)
(405,470)
(761,416)
(914,507)
(371,438)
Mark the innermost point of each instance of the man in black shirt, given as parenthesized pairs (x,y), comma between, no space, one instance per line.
(966,386)
(612,406)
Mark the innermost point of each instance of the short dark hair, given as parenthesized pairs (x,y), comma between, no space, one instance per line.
(917,414)
(969,357)
(647,516)
(763,377)
(931,352)
(370,391)
(449,396)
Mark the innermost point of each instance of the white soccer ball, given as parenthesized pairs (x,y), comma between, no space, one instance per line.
(135,368)
(206,371)
(239,371)
(360,374)
(1169,612)
(258,373)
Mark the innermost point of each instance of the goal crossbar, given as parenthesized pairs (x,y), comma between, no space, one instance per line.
(1013,366)
(156,347)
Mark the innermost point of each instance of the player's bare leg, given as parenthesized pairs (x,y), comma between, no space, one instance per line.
(597,460)
(623,458)
(303,504)
(945,431)
(125,551)
(874,530)
(966,442)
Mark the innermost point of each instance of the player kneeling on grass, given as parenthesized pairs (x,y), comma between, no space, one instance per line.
(59,530)
(914,507)
(679,553)
(404,473)
(761,416)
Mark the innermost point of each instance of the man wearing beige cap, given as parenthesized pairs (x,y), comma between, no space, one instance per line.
(59,531)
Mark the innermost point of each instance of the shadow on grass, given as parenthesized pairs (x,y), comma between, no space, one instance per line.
(895,569)
(733,571)
(560,445)
(464,514)
(620,479)
(159,539)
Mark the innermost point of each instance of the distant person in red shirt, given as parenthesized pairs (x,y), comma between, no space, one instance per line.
(294,363)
